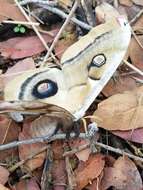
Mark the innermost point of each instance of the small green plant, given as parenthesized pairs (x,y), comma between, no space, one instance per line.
(19,29)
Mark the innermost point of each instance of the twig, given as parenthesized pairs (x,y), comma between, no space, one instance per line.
(133,67)
(34,28)
(60,31)
(38,139)
(136,17)
(70,174)
(136,38)
(64,15)
(51,3)
(14,167)
(107,147)
(87,6)
(63,136)
(21,22)
(33,15)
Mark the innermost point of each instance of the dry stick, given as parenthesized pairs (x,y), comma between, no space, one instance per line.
(20,163)
(51,3)
(60,31)
(133,67)
(38,139)
(136,38)
(64,15)
(63,136)
(34,28)
(107,147)
(21,22)
(136,17)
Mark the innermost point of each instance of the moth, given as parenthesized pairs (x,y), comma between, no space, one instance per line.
(87,66)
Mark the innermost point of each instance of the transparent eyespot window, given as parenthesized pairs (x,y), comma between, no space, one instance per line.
(99,60)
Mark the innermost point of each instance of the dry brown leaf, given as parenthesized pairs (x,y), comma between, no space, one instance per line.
(121,111)
(4,173)
(123,175)
(84,154)
(59,176)
(27,150)
(89,170)
(122,84)
(21,47)
(20,66)
(26,185)
(63,44)
(10,10)
(3,187)
(128,3)
(138,2)
(65,3)
(5,124)
(135,52)
(9,132)
(131,135)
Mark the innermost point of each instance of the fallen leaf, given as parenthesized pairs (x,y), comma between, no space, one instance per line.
(123,175)
(26,185)
(118,86)
(3,187)
(82,155)
(5,123)
(138,2)
(89,170)
(30,149)
(59,176)
(10,10)
(126,2)
(121,111)
(4,173)
(135,135)
(57,148)
(9,132)
(63,44)
(135,52)
(20,66)
(21,47)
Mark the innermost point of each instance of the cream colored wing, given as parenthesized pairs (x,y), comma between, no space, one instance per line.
(86,67)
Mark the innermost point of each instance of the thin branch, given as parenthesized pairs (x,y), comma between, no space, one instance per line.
(136,17)
(63,136)
(107,147)
(21,22)
(64,15)
(20,163)
(133,67)
(51,3)
(38,139)
(60,31)
(34,28)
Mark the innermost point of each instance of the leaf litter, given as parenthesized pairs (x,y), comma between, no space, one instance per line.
(117,111)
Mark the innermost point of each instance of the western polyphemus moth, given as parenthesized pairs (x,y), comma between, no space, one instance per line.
(87,66)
